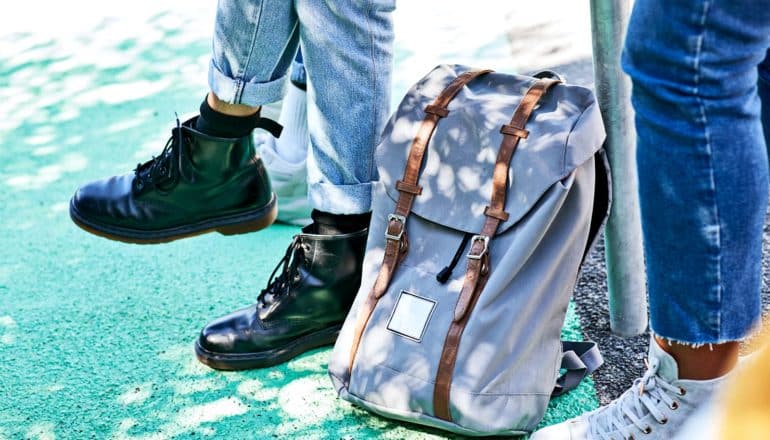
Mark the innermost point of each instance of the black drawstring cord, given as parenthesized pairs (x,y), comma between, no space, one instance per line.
(446,272)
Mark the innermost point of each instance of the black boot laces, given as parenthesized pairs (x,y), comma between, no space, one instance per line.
(161,169)
(289,276)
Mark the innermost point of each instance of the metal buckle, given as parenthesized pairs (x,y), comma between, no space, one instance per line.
(482,238)
(400,219)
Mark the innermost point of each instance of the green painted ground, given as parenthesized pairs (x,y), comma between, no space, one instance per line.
(95,336)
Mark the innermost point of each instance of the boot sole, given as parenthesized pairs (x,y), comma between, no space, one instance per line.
(267,358)
(233,224)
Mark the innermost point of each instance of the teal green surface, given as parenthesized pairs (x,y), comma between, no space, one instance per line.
(96,336)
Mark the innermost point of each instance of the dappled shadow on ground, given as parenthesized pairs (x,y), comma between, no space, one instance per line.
(74,105)
(293,400)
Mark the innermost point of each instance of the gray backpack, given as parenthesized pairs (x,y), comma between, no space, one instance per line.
(502,176)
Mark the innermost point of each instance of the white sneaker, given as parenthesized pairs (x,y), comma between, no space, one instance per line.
(289,182)
(654,408)
(286,158)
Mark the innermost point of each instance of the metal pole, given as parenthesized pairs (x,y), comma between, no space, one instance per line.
(626,278)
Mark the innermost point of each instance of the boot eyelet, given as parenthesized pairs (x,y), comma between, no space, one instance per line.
(674,405)
(682,391)
(647,430)
(664,421)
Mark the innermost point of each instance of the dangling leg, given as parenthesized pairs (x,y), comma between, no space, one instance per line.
(208,177)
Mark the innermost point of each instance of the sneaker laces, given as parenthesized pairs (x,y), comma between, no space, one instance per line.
(289,276)
(632,406)
(160,168)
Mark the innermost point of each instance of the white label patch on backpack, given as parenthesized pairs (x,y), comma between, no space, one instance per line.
(411,315)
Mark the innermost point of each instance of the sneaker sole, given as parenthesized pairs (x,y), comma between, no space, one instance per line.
(267,358)
(233,224)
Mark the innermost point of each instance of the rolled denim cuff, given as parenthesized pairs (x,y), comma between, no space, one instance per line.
(341,199)
(298,74)
(238,91)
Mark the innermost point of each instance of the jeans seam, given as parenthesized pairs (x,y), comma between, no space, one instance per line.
(240,80)
(709,151)
(375,135)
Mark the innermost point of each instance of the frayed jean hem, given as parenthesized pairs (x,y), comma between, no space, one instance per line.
(700,342)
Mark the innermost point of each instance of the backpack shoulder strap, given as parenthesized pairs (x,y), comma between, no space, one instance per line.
(396,243)
(579,359)
(478,257)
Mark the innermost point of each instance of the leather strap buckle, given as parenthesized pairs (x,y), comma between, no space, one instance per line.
(485,241)
(400,220)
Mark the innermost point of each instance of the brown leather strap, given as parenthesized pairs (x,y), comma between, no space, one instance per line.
(447,362)
(396,243)
(477,273)
(478,268)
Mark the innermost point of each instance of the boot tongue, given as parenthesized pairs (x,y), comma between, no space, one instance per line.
(668,369)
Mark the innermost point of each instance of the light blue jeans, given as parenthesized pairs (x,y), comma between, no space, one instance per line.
(702,161)
(347,49)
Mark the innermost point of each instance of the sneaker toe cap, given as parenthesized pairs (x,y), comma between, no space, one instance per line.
(574,429)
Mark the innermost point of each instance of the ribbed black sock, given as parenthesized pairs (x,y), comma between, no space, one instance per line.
(333,224)
(214,123)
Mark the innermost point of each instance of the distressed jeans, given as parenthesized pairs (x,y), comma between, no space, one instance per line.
(699,68)
(347,49)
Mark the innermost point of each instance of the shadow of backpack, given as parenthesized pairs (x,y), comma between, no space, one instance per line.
(492,190)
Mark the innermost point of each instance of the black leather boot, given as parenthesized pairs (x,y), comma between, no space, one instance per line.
(301,308)
(198,184)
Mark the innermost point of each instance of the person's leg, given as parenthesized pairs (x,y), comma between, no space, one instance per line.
(703,174)
(208,177)
(348,97)
(347,49)
(253,46)
(703,180)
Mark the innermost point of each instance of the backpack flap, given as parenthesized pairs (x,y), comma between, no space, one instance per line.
(564,131)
